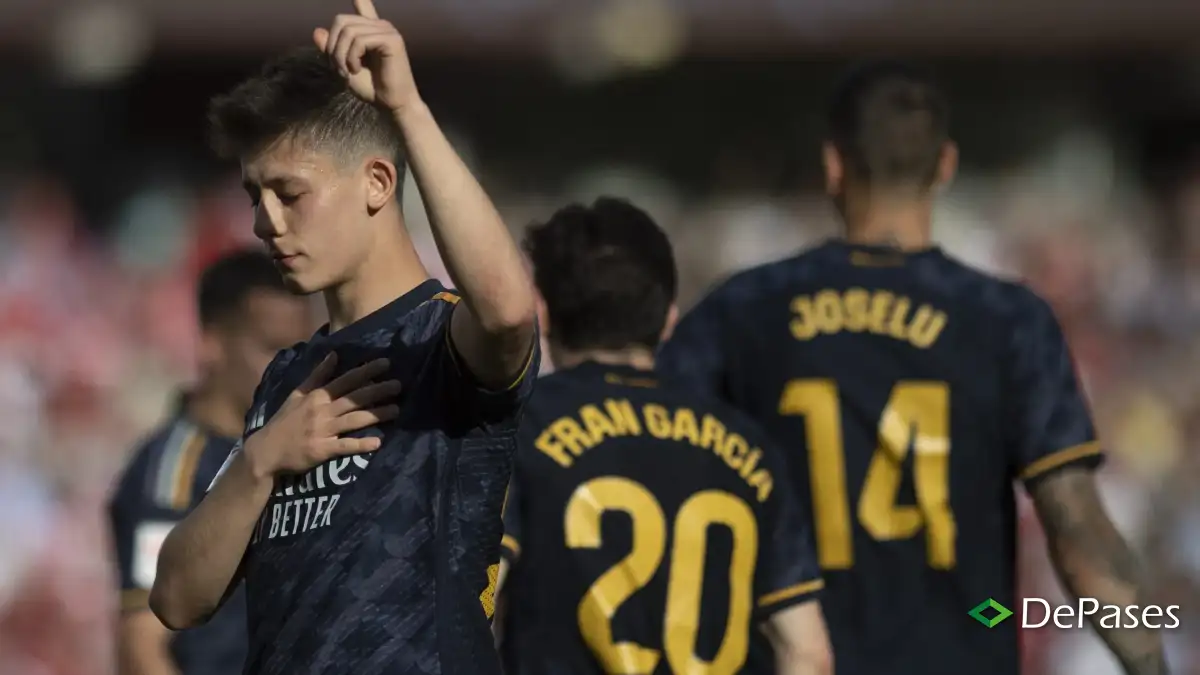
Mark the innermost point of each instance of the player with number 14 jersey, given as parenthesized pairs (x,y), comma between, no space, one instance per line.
(912,391)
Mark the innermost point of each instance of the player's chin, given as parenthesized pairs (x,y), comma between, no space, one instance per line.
(298,282)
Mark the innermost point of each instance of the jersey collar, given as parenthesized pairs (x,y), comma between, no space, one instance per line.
(382,317)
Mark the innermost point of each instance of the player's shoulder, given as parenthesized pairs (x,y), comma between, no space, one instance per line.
(773,277)
(419,316)
(152,468)
(1007,299)
(429,318)
(160,439)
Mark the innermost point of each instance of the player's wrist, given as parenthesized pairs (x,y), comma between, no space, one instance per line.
(411,113)
(259,459)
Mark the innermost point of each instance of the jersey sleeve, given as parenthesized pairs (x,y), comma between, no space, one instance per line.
(1048,420)
(490,404)
(788,572)
(695,357)
(145,506)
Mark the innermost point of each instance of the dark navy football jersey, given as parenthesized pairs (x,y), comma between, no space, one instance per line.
(166,477)
(650,530)
(379,563)
(914,390)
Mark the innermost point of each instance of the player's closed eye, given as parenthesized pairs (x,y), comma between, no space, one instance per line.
(287,198)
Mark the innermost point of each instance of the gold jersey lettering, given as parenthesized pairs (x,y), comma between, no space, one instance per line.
(594,425)
(831,311)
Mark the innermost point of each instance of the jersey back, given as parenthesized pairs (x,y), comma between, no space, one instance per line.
(913,390)
(649,531)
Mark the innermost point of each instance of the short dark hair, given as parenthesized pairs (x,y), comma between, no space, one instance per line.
(300,95)
(225,284)
(606,273)
(889,121)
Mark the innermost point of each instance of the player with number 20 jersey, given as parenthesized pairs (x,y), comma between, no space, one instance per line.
(648,529)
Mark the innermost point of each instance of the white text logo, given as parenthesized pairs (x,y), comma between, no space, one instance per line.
(1037,612)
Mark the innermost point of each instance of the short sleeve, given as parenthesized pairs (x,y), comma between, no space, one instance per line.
(1048,422)
(788,571)
(141,515)
(493,403)
(695,355)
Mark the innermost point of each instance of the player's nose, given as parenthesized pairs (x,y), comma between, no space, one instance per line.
(268,223)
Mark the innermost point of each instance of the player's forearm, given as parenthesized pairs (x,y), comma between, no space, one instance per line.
(1094,561)
(800,641)
(200,558)
(477,248)
(146,662)
(144,647)
(1100,565)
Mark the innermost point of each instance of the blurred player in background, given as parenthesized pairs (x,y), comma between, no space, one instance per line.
(356,561)
(246,316)
(648,529)
(916,390)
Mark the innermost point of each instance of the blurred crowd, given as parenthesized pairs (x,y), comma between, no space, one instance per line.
(97,334)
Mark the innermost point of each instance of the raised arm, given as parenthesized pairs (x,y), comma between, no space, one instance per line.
(493,329)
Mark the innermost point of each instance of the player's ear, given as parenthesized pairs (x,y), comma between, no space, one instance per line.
(382,181)
(947,165)
(835,170)
(669,325)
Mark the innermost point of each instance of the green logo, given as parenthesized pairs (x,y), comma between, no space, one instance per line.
(1002,613)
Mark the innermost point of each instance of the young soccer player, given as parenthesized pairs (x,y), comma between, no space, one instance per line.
(364,517)
(649,528)
(917,391)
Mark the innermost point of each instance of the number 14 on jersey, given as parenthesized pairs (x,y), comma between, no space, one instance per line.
(917,416)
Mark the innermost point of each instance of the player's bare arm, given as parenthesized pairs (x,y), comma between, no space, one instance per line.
(143,647)
(493,328)
(800,640)
(1094,561)
(200,558)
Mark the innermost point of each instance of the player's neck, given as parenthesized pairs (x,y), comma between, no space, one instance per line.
(218,413)
(637,358)
(392,269)
(903,223)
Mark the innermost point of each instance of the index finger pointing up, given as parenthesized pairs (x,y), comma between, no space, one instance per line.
(366,8)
